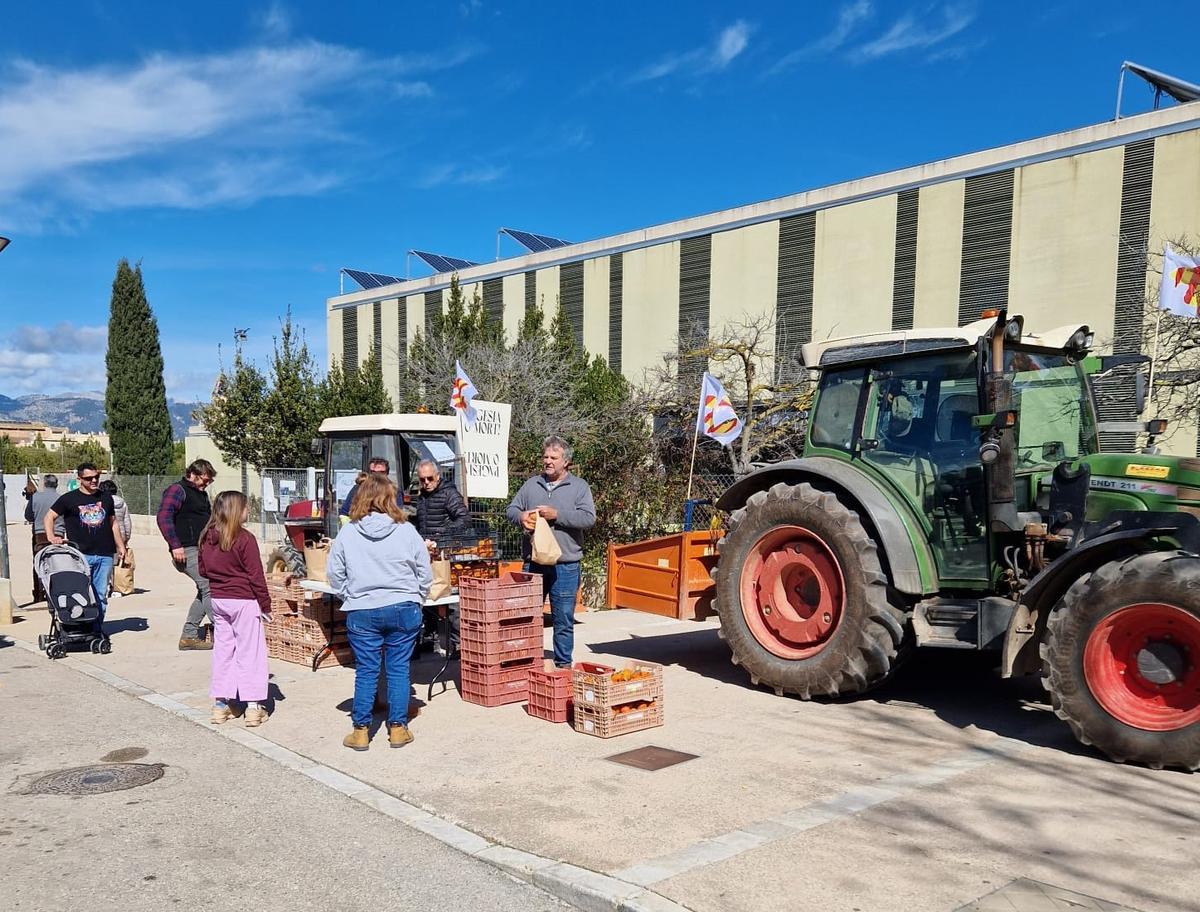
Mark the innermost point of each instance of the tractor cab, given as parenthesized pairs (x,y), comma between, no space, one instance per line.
(348,445)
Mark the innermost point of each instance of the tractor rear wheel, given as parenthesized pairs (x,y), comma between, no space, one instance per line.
(286,559)
(802,597)
(1121,659)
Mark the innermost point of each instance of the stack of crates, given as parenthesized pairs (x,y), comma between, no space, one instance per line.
(616,701)
(500,637)
(302,624)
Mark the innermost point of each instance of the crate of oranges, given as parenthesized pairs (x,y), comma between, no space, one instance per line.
(622,719)
(603,686)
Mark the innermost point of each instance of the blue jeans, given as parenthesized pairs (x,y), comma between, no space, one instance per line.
(101,567)
(393,631)
(561,583)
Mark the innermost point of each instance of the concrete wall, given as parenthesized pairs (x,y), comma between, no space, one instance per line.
(650,307)
(853,269)
(939,254)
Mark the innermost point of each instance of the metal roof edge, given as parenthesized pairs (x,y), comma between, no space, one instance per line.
(1091,138)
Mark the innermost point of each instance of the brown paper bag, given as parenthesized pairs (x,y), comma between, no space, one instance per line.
(441,580)
(316,556)
(122,581)
(544,549)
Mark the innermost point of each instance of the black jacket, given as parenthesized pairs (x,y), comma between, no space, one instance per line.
(441,512)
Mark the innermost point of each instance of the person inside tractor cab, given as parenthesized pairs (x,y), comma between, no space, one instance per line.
(377,464)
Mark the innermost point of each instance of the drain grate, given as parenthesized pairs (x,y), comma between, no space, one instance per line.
(651,758)
(95,780)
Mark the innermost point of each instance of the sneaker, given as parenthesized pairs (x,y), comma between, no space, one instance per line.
(359,738)
(186,643)
(255,716)
(221,714)
(398,735)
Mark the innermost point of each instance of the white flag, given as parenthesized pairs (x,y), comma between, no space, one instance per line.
(461,395)
(1180,291)
(716,417)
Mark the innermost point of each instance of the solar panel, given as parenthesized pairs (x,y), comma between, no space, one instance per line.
(367,280)
(534,242)
(439,263)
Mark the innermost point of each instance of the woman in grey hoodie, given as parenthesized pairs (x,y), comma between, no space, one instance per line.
(379,566)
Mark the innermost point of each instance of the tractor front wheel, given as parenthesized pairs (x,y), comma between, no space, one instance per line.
(1121,659)
(802,597)
(286,559)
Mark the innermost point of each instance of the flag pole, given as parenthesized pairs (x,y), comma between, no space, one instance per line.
(692,469)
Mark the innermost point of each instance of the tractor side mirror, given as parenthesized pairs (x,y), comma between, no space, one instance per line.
(1053,451)
(316,446)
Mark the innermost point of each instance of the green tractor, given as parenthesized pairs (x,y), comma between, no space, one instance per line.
(953,493)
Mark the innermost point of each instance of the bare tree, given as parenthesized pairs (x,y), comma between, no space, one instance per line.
(758,368)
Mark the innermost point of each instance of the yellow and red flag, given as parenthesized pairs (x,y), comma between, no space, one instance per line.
(716,417)
(1180,290)
(461,394)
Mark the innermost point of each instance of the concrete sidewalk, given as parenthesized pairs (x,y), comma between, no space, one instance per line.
(938,790)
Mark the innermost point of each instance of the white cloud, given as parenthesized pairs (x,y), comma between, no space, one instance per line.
(913,31)
(276,21)
(452,173)
(38,359)
(185,131)
(849,18)
(729,44)
(416,89)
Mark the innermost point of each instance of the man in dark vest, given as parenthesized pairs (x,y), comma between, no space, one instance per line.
(182,515)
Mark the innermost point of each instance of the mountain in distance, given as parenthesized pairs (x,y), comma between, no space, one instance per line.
(82,412)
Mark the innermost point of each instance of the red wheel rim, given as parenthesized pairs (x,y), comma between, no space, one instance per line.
(1142,664)
(793,594)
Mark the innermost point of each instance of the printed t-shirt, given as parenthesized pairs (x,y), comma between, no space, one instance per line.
(88,521)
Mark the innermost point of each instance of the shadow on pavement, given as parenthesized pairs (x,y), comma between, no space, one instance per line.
(127,625)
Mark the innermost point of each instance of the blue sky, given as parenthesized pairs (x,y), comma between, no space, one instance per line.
(243,152)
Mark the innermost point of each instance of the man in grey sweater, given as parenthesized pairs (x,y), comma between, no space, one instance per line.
(36,508)
(565,502)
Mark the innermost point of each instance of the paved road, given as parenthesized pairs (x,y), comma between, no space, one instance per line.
(223,829)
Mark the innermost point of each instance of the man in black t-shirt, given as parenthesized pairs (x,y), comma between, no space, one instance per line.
(90,521)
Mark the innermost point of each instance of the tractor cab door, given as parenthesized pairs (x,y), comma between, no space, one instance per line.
(917,433)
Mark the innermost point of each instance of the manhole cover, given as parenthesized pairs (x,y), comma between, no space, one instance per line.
(94,780)
(651,758)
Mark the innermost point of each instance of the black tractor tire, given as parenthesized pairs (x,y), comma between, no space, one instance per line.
(286,559)
(1165,577)
(862,650)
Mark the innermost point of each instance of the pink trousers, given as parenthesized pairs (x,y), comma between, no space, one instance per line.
(239,668)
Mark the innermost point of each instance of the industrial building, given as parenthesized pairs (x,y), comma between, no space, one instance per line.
(1055,228)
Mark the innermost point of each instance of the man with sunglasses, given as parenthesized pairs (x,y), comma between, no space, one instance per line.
(441,512)
(90,521)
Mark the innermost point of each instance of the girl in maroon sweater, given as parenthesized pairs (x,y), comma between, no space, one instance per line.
(229,560)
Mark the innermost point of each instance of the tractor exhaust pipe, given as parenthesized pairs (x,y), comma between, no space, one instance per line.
(1002,467)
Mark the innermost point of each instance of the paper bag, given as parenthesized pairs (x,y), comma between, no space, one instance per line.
(544,548)
(316,556)
(441,580)
(122,581)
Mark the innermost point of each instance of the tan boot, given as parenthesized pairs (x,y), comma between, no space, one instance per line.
(255,716)
(359,738)
(398,735)
(221,714)
(187,643)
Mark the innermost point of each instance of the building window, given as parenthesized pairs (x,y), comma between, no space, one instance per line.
(493,300)
(695,271)
(433,305)
(571,299)
(616,278)
(904,283)
(530,291)
(350,337)
(986,243)
(794,295)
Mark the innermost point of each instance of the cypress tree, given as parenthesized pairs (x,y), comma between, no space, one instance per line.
(135,401)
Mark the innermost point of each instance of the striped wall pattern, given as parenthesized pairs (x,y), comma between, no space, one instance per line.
(570,299)
(986,244)
(904,283)
(350,353)
(493,300)
(616,280)
(433,305)
(530,291)
(794,297)
(695,272)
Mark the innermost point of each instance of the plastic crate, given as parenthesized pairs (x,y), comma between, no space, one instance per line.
(493,685)
(515,595)
(604,723)
(491,644)
(550,694)
(594,687)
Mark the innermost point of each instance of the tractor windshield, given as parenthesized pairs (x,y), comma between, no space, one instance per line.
(1050,394)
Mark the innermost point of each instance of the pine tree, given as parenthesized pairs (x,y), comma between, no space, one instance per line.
(138,422)
(291,413)
(355,389)
(234,417)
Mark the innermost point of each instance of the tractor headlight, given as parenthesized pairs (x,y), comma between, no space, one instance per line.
(1081,340)
(989,450)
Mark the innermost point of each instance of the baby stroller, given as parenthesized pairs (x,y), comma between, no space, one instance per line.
(74,611)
